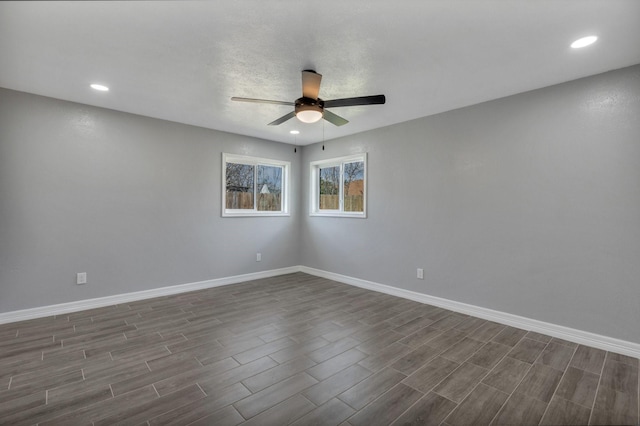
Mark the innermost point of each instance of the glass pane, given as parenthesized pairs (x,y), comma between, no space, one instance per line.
(239,186)
(269,188)
(353,189)
(329,188)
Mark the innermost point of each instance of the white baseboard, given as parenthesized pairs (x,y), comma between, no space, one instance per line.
(573,335)
(570,334)
(81,305)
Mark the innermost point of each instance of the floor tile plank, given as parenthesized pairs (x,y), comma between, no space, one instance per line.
(283,413)
(431,409)
(507,375)
(556,355)
(335,364)
(588,359)
(227,416)
(332,386)
(415,359)
(274,394)
(370,388)
(479,408)
(563,412)
(387,407)
(540,382)
(614,408)
(457,385)
(520,410)
(578,386)
(332,412)
(427,377)
(277,374)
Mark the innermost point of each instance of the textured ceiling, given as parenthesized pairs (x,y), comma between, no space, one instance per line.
(183,60)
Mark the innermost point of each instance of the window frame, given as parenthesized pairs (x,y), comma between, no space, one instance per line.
(255,161)
(314,180)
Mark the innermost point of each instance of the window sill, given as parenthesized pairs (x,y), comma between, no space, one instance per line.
(254,214)
(339,214)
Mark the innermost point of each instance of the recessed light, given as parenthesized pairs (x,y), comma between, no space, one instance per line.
(295,132)
(100,87)
(584,41)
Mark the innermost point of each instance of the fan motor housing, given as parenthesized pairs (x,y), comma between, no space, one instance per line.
(308,104)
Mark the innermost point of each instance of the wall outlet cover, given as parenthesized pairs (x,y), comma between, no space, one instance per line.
(81,278)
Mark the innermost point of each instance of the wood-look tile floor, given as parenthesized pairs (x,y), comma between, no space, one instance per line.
(298,349)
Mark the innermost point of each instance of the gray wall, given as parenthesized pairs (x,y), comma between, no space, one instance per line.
(133,201)
(528,205)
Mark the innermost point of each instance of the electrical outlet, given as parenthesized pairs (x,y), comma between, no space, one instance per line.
(81,278)
(421,273)
(258,257)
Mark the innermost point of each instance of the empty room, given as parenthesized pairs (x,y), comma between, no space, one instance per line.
(320,213)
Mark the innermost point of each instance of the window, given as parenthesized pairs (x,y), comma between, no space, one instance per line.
(254,186)
(338,187)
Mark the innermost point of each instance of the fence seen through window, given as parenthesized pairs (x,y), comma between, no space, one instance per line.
(339,186)
(253,187)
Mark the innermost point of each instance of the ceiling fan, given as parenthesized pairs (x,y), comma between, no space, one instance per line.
(310,108)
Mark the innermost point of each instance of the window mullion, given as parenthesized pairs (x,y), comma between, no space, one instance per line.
(255,187)
(318,189)
(340,189)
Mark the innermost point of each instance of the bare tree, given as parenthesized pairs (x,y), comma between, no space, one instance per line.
(240,177)
(330,181)
(352,172)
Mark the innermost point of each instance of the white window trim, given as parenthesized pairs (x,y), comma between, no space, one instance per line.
(255,161)
(314,178)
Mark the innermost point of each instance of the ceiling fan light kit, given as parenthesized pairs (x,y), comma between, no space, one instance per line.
(310,108)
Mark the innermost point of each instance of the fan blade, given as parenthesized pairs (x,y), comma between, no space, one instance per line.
(334,119)
(311,84)
(262,101)
(283,119)
(362,100)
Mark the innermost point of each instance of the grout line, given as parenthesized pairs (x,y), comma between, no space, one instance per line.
(157,393)
(202,390)
(595,397)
